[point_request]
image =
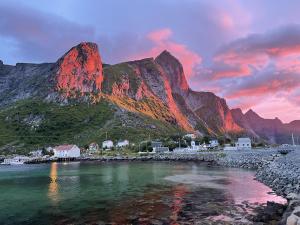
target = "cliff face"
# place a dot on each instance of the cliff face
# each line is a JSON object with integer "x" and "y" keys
{"x": 80, "y": 70}
{"x": 153, "y": 87}
{"x": 24, "y": 80}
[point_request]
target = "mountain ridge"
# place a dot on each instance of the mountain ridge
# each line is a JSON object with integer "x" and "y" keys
{"x": 155, "y": 87}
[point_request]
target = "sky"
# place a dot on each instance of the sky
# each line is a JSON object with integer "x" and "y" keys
{"x": 247, "y": 51}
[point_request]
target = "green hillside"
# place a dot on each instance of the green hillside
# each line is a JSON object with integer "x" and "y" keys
{"x": 32, "y": 124}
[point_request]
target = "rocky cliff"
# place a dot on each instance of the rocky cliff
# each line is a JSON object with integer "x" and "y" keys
{"x": 79, "y": 70}
{"x": 156, "y": 88}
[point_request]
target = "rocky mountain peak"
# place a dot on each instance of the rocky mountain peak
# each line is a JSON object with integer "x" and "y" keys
{"x": 80, "y": 70}
{"x": 174, "y": 71}
{"x": 251, "y": 114}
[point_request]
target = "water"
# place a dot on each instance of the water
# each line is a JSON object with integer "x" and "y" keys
{"x": 127, "y": 193}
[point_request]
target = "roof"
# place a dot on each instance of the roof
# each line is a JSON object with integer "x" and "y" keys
{"x": 107, "y": 141}
{"x": 64, "y": 147}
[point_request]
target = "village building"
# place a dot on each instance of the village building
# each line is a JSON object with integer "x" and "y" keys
{"x": 122, "y": 144}
{"x": 194, "y": 147}
{"x": 243, "y": 144}
{"x": 66, "y": 151}
{"x": 213, "y": 143}
{"x": 93, "y": 147}
{"x": 155, "y": 144}
{"x": 192, "y": 136}
{"x": 108, "y": 144}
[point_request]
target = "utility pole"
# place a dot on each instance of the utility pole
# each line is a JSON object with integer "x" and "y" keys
{"x": 293, "y": 139}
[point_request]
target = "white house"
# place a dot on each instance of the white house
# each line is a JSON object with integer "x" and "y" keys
{"x": 194, "y": 146}
{"x": 192, "y": 136}
{"x": 155, "y": 144}
{"x": 243, "y": 144}
{"x": 66, "y": 151}
{"x": 123, "y": 143}
{"x": 213, "y": 143}
{"x": 107, "y": 144}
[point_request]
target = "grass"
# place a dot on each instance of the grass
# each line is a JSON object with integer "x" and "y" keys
{"x": 115, "y": 74}
{"x": 59, "y": 124}
{"x": 32, "y": 124}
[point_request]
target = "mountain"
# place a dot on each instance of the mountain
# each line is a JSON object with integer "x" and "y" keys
{"x": 271, "y": 130}
{"x": 128, "y": 100}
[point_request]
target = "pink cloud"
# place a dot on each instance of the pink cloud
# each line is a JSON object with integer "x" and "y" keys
{"x": 280, "y": 107}
{"x": 161, "y": 40}
{"x": 160, "y": 35}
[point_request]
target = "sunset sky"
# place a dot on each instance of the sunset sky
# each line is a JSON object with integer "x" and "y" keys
{"x": 247, "y": 51}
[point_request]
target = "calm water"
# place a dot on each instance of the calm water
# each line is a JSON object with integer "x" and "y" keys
{"x": 126, "y": 193}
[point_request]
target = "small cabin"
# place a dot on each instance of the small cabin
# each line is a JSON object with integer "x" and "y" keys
{"x": 156, "y": 144}
{"x": 108, "y": 144}
{"x": 191, "y": 136}
{"x": 66, "y": 151}
{"x": 243, "y": 144}
{"x": 122, "y": 144}
{"x": 213, "y": 143}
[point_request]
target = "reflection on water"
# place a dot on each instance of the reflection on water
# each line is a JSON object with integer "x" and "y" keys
{"x": 125, "y": 193}
{"x": 179, "y": 193}
{"x": 53, "y": 186}
{"x": 242, "y": 185}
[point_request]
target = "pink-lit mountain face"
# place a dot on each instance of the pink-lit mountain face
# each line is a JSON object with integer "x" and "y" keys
{"x": 156, "y": 88}
{"x": 80, "y": 70}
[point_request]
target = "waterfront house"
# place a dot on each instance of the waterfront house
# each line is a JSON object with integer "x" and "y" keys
{"x": 194, "y": 147}
{"x": 122, "y": 144}
{"x": 155, "y": 144}
{"x": 108, "y": 144}
{"x": 213, "y": 143}
{"x": 243, "y": 144}
{"x": 192, "y": 136}
{"x": 66, "y": 151}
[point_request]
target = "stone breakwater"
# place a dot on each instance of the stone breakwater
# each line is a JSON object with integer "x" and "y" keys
{"x": 279, "y": 172}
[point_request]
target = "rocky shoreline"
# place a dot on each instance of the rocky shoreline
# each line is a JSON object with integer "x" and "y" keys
{"x": 279, "y": 172}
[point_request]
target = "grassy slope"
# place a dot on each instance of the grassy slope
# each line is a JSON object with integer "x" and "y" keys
{"x": 80, "y": 124}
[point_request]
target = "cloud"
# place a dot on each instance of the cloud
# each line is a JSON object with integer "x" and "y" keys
{"x": 162, "y": 40}
{"x": 39, "y": 36}
{"x": 251, "y": 70}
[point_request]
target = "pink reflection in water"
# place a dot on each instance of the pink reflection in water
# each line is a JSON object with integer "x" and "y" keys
{"x": 243, "y": 187}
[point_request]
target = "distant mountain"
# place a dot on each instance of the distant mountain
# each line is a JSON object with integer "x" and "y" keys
{"x": 156, "y": 89}
{"x": 272, "y": 130}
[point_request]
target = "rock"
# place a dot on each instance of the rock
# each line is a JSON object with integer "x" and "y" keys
{"x": 80, "y": 70}
{"x": 292, "y": 220}
{"x": 292, "y": 196}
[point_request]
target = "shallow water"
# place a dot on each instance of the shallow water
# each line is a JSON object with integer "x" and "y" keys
{"x": 128, "y": 193}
